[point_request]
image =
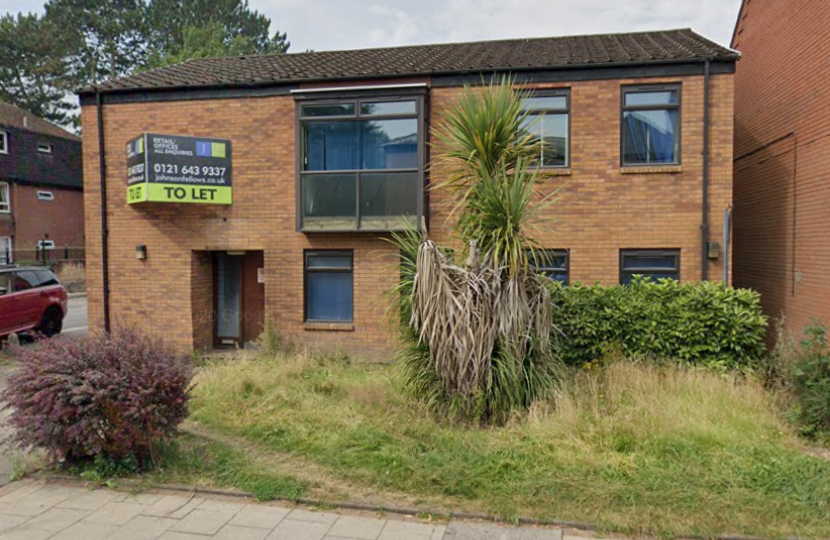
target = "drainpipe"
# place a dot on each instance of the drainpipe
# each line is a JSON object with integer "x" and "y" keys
{"x": 727, "y": 238}
{"x": 704, "y": 225}
{"x": 102, "y": 162}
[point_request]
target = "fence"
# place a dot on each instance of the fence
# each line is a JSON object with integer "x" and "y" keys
{"x": 56, "y": 257}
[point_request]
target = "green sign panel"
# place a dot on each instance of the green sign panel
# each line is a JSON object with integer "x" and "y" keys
{"x": 170, "y": 168}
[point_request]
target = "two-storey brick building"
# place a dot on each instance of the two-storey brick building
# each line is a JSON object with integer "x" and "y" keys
{"x": 41, "y": 187}
{"x": 302, "y": 164}
{"x": 782, "y": 157}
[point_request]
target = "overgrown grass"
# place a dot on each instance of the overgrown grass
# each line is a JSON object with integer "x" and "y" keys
{"x": 633, "y": 448}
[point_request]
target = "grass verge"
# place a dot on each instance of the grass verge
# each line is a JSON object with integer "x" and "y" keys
{"x": 633, "y": 448}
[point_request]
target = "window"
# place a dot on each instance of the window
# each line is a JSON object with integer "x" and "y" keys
{"x": 6, "y": 250}
{"x": 651, "y": 263}
{"x": 44, "y": 148}
{"x": 25, "y": 280}
{"x": 5, "y": 200}
{"x": 361, "y": 164}
{"x": 553, "y": 263}
{"x": 329, "y": 294}
{"x": 549, "y": 120}
{"x": 651, "y": 125}
{"x": 4, "y": 142}
{"x": 45, "y": 196}
{"x": 45, "y": 278}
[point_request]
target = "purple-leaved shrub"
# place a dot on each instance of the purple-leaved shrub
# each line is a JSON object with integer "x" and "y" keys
{"x": 107, "y": 397}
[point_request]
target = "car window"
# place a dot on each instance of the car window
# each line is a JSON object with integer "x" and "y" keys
{"x": 5, "y": 282}
{"x": 45, "y": 278}
{"x": 24, "y": 280}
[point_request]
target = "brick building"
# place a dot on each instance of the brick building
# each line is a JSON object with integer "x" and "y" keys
{"x": 782, "y": 157}
{"x": 325, "y": 152}
{"x": 41, "y": 188}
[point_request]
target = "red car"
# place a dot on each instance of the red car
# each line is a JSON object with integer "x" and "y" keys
{"x": 31, "y": 300}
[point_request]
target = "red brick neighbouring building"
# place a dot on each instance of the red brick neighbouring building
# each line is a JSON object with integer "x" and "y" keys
{"x": 328, "y": 152}
{"x": 782, "y": 157}
{"x": 41, "y": 188}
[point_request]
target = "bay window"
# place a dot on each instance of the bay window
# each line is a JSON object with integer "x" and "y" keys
{"x": 361, "y": 164}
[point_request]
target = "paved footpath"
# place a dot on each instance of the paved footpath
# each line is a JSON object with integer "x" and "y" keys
{"x": 38, "y": 510}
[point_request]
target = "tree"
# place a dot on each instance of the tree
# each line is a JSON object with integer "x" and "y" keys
{"x": 108, "y": 36}
{"x": 33, "y": 66}
{"x": 183, "y": 29}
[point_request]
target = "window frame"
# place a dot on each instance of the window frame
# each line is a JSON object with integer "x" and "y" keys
{"x": 358, "y": 97}
{"x": 8, "y": 241}
{"x": 6, "y": 207}
{"x": 663, "y": 252}
{"x": 646, "y": 88}
{"x": 554, "y": 92}
{"x": 45, "y": 148}
{"x": 331, "y": 253}
{"x": 556, "y": 252}
{"x": 4, "y": 136}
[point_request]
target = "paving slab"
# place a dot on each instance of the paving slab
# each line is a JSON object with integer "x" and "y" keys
{"x": 403, "y": 530}
{"x": 357, "y": 528}
{"x": 115, "y": 513}
{"x": 57, "y": 519}
{"x": 317, "y": 517}
{"x": 204, "y": 522}
{"x": 173, "y": 506}
{"x": 143, "y": 528}
{"x": 85, "y": 531}
{"x": 9, "y": 522}
{"x": 291, "y": 529}
{"x": 471, "y": 531}
{"x": 237, "y": 532}
{"x": 92, "y": 500}
{"x": 25, "y": 532}
{"x": 263, "y": 517}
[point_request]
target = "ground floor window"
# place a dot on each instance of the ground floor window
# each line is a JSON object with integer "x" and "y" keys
{"x": 552, "y": 263}
{"x": 5, "y": 250}
{"x": 329, "y": 286}
{"x": 651, "y": 263}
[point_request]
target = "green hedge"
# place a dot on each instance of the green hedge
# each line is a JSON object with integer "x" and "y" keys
{"x": 701, "y": 323}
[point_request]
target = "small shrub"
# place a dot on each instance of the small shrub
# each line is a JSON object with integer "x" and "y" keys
{"x": 107, "y": 398}
{"x": 699, "y": 323}
{"x": 810, "y": 382}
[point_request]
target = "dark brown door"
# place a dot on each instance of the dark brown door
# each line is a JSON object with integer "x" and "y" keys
{"x": 240, "y": 298}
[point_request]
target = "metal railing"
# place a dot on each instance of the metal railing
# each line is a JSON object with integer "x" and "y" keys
{"x": 52, "y": 257}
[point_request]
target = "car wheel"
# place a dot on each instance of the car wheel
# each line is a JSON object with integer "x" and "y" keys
{"x": 52, "y": 322}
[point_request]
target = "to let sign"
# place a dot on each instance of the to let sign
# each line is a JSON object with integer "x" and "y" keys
{"x": 170, "y": 168}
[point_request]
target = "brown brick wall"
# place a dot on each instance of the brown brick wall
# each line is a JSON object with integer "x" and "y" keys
{"x": 782, "y": 148}
{"x": 31, "y": 220}
{"x": 601, "y": 211}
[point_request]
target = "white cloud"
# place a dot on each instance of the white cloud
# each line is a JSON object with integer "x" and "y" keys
{"x": 348, "y": 24}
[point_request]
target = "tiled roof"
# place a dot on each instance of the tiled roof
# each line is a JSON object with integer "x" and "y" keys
{"x": 15, "y": 117}
{"x": 455, "y": 58}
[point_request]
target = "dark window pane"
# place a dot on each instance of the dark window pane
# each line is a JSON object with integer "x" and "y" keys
{"x": 629, "y": 277}
{"x": 329, "y": 296}
{"x": 561, "y": 277}
{"x": 668, "y": 97}
{"x": 342, "y": 262}
{"x": 332, "y": 146}
{"x": 552, "y": 133}
{"x": 388, "y": 200}
{"x": 329, "y": 109}
{"x": 658, "y": 262}
{"x": 388, "y": 107}
{"x": 46, "y": 278}
{"x": 649, "y": 137}
{"x": 329, "y": 201}
{"x": 390, "y": 144}
{"x": 536, "y": 103}
{"x": 24, "y": 280}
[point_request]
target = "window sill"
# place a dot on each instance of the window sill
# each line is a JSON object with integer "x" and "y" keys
{"x": 555, "y": 172}
{"x": 328, "y": 327}
{"x": 652, "y": 170}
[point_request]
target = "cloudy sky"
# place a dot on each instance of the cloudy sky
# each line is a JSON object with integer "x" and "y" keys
{"x": 349, "y": 24}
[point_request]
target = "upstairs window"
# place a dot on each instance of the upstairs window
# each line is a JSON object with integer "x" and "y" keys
{"x": 5, "y": 200}
{"x": 44, "y": 148}
{"x": 361, "y": 164}
{"x": 549, "y": 121}
{"x": 654, "y": 264}
{"x": 651, "y": 126}
{"x": 4, "y": 142}
{"x": 552, "y": 263}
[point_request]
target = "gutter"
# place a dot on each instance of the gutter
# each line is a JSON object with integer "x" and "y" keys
{"x": 102, "y": 162}
{"x": 704, "y": 225}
